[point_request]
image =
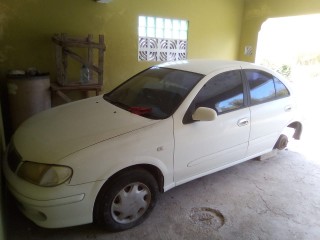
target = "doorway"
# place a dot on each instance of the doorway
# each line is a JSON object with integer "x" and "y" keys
{"x": 291, "y": 46}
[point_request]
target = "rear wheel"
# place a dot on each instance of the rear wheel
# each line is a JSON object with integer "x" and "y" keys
{"x": 282, "y": 142}
{"x": 126, "y": 201}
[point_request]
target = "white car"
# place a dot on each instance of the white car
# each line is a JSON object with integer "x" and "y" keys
{"x": 105, "y": 159}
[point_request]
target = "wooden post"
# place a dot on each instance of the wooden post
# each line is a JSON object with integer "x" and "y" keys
{"x": 64, "y": 62}
{"x": 100, "y": 60}
{"x": 90, "y": 57}
{"x": 59, "y": 62}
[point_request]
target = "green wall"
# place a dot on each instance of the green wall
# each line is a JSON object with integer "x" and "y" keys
{"x": 216, "y": 29}
{"x": 26, "y": 28}
{"x": 256, "y": 12}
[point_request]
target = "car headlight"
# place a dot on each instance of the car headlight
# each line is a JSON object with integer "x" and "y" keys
{"x": 44, "y": 174}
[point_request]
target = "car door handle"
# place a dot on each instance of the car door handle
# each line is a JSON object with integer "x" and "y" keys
{"x": 243, "y": 122}
{"x": 287, "y": 108}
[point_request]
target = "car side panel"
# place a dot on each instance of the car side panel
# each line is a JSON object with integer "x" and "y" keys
{"x": 268, "y": 120}
{"x": 203, "y": 146}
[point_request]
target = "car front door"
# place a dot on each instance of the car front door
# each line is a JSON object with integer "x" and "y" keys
{"x": 202, "y": 147}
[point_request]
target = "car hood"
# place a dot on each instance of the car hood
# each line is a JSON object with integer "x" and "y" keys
{"x": 53, "y": 134}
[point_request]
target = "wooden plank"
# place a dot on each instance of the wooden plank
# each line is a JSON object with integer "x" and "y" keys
{"x": 76, "y": 57}
{"x": 59, "y": 90}
{"x": 100, "y": 60}
{"x": 64, "y": 63}
{"x": 63, "y": 96}
{"x": 76, "y": 39}
{"x": 90, "y": 57}
{"x": 70, "y": 87}
{"x": 59, "y": 63}
{"x": 78, "y": 44}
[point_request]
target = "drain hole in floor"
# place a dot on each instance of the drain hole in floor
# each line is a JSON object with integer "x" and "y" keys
{"x": 207, "y": 217}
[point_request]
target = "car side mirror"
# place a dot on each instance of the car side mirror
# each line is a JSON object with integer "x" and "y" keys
{"x": 204, "y": 114}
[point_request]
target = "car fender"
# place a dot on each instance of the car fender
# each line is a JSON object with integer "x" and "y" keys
{"x": 151, "y": 145}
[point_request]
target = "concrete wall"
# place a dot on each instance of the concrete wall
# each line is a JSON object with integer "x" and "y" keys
{"x": 27, "y": 26}
{"x": 258, "y": 11}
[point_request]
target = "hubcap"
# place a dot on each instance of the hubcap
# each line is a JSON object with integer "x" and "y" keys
{"x": 131, "y": 203}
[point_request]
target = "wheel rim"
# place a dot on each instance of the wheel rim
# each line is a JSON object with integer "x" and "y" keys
{"x": 130, "y": 203}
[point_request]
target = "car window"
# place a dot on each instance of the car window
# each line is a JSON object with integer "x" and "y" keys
{"x": 222, "y": 93}
{"x": 154, "y": 93}
{"x": 261, "y": 85}
{"x": 281, "y": 89}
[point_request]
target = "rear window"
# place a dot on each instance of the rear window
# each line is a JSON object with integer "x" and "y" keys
{"x": 264, "y": 87}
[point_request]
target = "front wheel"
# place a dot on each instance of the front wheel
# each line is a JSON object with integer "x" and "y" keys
{"x": 126, "y": 201}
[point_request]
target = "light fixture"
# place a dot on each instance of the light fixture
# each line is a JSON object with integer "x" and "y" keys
{"x": 103, "y": 1}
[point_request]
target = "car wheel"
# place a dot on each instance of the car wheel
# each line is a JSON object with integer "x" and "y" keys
{"x": 282, "y": 142}
{"x": 126, "y": 200}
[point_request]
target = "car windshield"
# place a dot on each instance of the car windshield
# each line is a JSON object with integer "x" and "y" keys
{"x": 154, "y": 93}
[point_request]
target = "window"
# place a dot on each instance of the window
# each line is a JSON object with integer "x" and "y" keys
{"x": 264, "y": 87}
{"x": 154, "y": 93}
{"x": 222, "y": 93}
{"x": 162, "y": 39}
{"x": 281, "y": 90}
{"x": 261, "y": 86}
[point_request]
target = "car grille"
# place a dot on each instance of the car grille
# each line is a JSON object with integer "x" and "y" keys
{"x": 13, "y": 158}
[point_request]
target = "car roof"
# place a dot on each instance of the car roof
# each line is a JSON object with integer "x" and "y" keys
{"x": 204, "y": 66}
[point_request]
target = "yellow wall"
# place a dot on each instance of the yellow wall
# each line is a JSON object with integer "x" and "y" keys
{"x": 26, "y": 28}
{"x": 258, "y": 11}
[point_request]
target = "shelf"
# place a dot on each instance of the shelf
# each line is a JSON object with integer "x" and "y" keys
{"x": 66, "y": 48}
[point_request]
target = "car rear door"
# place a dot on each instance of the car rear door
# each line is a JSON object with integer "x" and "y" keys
{"x": 271, "y": 110}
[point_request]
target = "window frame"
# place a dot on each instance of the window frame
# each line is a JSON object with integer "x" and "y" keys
{"x": 274, "y": 86}
{"x": 162, "y": 39}
{"x": 279, "y": 96}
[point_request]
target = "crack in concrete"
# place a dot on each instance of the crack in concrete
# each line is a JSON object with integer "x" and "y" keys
{"x": 276, "y": 211}
{"x": 261, "y": 189}
{"x": 283, "y": 214}
{"x": 279, "y": 212}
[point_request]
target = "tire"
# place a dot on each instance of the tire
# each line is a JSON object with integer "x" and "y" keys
{"x": 126, "y": 201}
{"x": 282, "y": 142}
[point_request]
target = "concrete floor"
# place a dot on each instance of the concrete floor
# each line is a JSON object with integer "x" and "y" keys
{"x": 277, "y": 198}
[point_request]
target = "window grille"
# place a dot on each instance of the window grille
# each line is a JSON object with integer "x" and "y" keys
{"x": 162, "y": 39}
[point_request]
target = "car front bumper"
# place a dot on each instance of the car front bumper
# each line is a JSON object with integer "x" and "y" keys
{"x": 53, "y": 207}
